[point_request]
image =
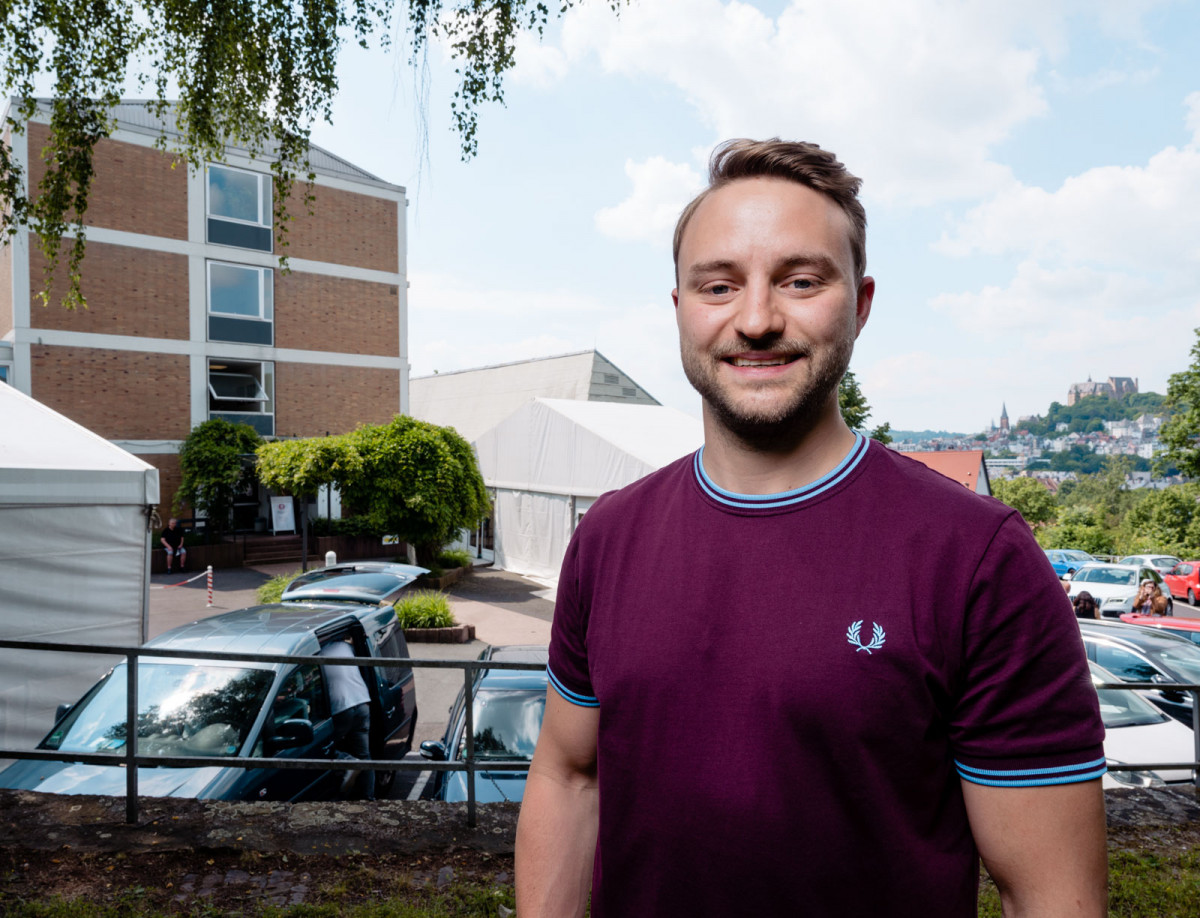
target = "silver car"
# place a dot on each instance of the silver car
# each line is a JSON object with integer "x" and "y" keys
{"x": 1114, "y": 586}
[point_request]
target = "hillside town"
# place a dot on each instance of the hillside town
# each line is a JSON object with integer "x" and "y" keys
{"x": 1053, "y": 453}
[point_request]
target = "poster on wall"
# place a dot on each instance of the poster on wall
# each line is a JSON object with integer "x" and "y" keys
{"x": 283, "y": 515}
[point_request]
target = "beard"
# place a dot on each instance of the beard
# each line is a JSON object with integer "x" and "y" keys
{"x": 789, "y": 410}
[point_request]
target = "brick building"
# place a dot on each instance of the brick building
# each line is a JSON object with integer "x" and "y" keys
{"x": 189, "y": 316}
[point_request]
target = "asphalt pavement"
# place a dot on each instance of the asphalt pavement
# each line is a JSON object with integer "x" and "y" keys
{"x": 505, "y": 608}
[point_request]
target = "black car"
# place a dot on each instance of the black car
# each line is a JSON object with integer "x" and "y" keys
{"x": 1135, "y": 654}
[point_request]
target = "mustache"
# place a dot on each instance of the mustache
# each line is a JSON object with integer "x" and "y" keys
{"x": 782, "y": 347}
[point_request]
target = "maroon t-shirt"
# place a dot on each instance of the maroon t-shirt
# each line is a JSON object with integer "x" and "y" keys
{"x": 790, "y": 687}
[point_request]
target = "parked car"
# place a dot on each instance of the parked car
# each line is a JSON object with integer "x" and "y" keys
{"x": 1114, "y": 586}
{"x": 1136, "y": 731}
{"x": 1187, "y": 628}
{"x": 1135, "y": 654}
{"x": 218, "y": 709}
{"x": 1067, "y": 560}
{"x": 372, "y": 582}
{"x": 1161, "y": 563}
{"x": 1184, "y": 581}
{"x": 507, "y": 712}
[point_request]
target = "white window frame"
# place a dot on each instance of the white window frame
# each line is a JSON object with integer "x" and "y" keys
{"x": 232, "y": 367}
{"x": 266, "y": 291}
{"x": 264, "y": 181}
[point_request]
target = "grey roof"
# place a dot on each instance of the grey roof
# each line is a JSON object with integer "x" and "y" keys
{"x": 283, "y": 628}
{"x": 135, "y": 115}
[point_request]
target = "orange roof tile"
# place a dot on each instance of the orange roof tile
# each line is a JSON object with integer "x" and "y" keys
{"x": 963, "y": 466}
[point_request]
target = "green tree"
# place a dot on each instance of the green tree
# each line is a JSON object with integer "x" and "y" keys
{"x": 856, "y": 410}
{"x": 1181, "y": 433}
{"x": 211, "y": 459}
{"x": 415, "y": 480}
{"x": 1164, "y": 521}
{"x": 257, "y": 73}
{"x": 1078, "y": 527}
{"x": 1029, "y": 497}
{"x": 302, "y": 467}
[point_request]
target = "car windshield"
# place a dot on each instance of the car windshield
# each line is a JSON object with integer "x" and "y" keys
{"x": 1077, "y": 555}
{"x": 1182, "y": 660}
{"x": 192, "y": 709}
{"x": 370, "y": 583}
{"x": 1107, "y": 575}
{"x": 1124, "y": 707}
{"x": 507, "y": 724}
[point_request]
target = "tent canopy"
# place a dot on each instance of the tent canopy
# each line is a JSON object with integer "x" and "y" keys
{"x": 46, "y": 458}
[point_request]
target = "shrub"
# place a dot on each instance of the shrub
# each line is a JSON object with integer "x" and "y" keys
{"x": 454, "y": 557}
{"x": 273, "y": 588}
{"x": 425, "y": 609}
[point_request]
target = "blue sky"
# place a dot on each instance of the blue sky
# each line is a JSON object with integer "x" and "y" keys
{"x": 1031, "y": 175}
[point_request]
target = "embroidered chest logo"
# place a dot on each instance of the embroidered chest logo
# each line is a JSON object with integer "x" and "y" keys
{"x": 877, "y": 637}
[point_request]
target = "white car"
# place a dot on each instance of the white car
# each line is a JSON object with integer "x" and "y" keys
{"x": 1135, "y": 731}
{"x": 1114, "y": 586}
{"x": 1164, "y": 564}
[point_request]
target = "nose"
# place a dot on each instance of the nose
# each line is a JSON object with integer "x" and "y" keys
{"x": 760, "y": 314}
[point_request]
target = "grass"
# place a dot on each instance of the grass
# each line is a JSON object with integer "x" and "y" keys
{"x": 425, "y": 609}
{"x": 273, "y": 588}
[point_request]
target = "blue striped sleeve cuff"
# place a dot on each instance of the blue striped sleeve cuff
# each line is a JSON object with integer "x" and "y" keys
{"x": 1033, "y": 777}
{"x": 585, "y": 701}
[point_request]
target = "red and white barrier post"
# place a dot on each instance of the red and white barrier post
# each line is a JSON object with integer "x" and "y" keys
{"x": 210, "y": 586}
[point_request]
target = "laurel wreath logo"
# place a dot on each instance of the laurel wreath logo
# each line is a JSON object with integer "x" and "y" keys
{"x": 877, "y": 637}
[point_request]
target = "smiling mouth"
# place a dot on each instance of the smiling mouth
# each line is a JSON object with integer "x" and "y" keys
{"x": 779, "y": 361}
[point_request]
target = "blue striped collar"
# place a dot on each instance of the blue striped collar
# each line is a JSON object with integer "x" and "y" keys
{"x": 785, "y": 498}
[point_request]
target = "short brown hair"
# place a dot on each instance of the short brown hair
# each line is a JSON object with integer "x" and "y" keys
{"x": 796, "y": 161}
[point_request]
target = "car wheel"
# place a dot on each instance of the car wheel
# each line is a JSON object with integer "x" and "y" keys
{"x": 1191, "y": 597}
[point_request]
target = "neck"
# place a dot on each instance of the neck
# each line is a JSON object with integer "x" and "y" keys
{"x": 781, "y": 462}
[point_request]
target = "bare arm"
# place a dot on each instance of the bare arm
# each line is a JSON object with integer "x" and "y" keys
{"x": 1044, "y": 847}
{"x": 556, "y": 833}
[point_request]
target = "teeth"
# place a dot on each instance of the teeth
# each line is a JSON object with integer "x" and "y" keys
{"x": 744, "y": 362}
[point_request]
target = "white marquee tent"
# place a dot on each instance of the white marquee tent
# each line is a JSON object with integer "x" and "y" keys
{"x": 549, "y": 460}
{"x": 74, "y": 558}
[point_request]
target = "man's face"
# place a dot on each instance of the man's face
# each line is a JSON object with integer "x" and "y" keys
{"x": 767, "y": 305}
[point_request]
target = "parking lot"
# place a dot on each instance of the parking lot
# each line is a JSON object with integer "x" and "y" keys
{"x": 504, "y": 608}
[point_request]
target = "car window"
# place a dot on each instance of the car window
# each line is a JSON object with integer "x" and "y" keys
{"x": 1125, "y": 665}
{"x": 1107, "y": 575}
{"x": 391, "y": 643}
{"x": 301, "y": 696}
{"x": 507, "y": 724}
{"x": 184, "y": 708}
{"x": 1150, "y": 573}
{"x": 1077, "y": 555}
{"x": 1182, "y": 570}
{"x": 1185, "y": 662}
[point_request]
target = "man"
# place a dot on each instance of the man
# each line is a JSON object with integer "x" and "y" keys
{"x": 172, "y": 542}
{"x": 728, "y": 732}
{"x": 350, "y": 705}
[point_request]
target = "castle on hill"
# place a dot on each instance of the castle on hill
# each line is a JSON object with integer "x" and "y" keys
{"x": 1116, "y": 387}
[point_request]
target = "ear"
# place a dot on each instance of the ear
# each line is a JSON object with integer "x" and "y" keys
{"x": 675, "y": 297}
{"x": 862, "y": 306}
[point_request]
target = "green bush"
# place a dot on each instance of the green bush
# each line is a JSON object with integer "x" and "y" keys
{"x": 454, "y": 557}
{"x": 346, "y": 526}
{"x": 425, "y": 609}
{"x": 273, "y": 588}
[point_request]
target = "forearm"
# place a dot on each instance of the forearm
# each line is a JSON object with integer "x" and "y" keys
{"x": 556, "y": 844}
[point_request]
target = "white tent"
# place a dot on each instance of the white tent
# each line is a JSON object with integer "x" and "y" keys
{"x": 74, "y": 558}
{"x": 550, "y": 459}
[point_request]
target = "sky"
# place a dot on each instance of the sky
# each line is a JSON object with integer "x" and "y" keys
{"x": 1031, "y": 173}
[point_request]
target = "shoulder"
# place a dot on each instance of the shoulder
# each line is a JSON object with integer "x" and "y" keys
{"x": 616, "y": 507}
{"x": 914, "y": 484}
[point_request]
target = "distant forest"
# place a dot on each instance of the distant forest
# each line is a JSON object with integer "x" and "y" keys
{"x": 1089, "y": 414}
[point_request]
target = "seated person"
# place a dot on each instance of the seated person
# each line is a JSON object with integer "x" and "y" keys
{"x": 172, "y": 542}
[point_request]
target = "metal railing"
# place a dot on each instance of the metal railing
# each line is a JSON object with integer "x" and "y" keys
{"x": 131, "y": 760}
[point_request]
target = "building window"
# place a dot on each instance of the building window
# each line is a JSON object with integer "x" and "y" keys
{"x": 240, "y": 303}
{"x": 239, "y": 208}
{"x": 5, "y": 370}
{"x": 243, "y": 391}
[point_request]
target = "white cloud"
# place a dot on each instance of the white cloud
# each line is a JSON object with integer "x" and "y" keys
{"x": 439, "y": 294}
{"x": 538, "y": 64}
{"x": 660, "y": 191}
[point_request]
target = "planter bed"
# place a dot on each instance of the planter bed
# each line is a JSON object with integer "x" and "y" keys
{"x": 456, "y": 634}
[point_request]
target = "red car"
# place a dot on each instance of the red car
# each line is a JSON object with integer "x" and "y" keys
{"x": 1184, "y": 580}
{"x": 1182, "y": 627}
